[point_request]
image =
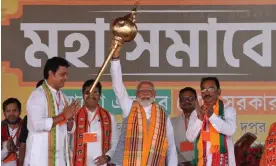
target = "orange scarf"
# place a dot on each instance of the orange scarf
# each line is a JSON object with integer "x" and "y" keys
{"x": 143, "y": 145}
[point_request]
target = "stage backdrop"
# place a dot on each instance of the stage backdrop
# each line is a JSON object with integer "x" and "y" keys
{"x": 178, "y": 43}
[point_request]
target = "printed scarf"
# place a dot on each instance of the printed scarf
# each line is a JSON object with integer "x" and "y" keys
{"x": 52, "y": 134}
{"x": 145, "y": 146}
{"x": 80, "y": 148}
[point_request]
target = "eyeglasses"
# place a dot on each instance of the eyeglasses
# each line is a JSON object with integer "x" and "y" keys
{"x": 145, "y": 90}
{"x": 186, "y": 98}
{"x": 210, "y": 89}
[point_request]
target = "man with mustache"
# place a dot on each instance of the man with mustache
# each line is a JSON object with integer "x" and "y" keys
{"x": 97, "y": 123}
{"x": 50, "y": 118}
{"x": 184, "y": 148}
{"x": 212, "y": 127}
{"x": 10, "y": 130}
{"x": 147, "y": 133}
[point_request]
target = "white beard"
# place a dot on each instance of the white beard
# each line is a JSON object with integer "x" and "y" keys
{"x": 145, "y": 103}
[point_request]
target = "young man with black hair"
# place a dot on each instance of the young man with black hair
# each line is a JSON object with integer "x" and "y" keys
{"x": 50, "y": 117}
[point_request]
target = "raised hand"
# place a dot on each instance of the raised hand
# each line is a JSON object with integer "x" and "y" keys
{"x": 209, "y": 112}
{"x": 199, "y": 110}
{"x": 71, "y": 110}
{"x": 116, "y": 54}
{"x": 10, "y": 145}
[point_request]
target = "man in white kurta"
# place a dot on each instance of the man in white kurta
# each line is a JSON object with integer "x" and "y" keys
{"x": 40, "y": 124}
{"x": 210, "y": 90}
{"x": 126, "y": 104}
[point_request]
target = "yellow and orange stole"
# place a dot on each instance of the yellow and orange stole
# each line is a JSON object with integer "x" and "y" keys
{"x": 143, "y": 145}
{"x": 80, "y": 148}
{"x": 52, "y": 134}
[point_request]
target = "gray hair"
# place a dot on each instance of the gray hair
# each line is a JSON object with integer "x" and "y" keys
{"x": 145, "y": 81}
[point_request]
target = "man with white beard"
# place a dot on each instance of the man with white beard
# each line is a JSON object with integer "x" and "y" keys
{"x": 147, "y": 135}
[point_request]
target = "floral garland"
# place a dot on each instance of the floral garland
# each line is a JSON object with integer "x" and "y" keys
{"x": 253, "y": 155}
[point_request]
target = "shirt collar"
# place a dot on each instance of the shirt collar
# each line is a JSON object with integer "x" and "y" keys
{"x": 52, "y": 89}
{"x": 147, "y": 107}
{"x": 148, "y": 110}
{"x": 88, "y": 110}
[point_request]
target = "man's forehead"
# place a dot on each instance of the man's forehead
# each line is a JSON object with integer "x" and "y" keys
{"x": 146, "y": 88}
{"x": 11, "y": 106}
{"x": 88, "y": 88}
{"x": 87, "y": 92}
{"x": 146, "y": 84}
{"x": 187, "y": 93}
{"x": 209, "y": 83}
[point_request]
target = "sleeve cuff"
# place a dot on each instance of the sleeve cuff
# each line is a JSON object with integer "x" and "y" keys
{"x": 198, "y": 122}
{"x": 73, "y": 128}
{"x": 48, "y": 124}
{"x": 213, "y": 118}
{"x": 115, "y": 63}
{"x": 108, "y": 154}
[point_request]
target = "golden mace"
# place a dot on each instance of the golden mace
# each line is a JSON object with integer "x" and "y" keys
{"x": 124, "y": 29}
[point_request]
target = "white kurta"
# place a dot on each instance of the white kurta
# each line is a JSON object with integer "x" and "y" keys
{"x": 94, "y": 150}
{"x": 226, "y": 127}
{"x": 5, "y": 152}
{"x": 126, "y": 104}
{"x": 39, "y": 126}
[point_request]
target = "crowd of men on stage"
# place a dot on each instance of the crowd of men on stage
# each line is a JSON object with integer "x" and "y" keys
{"x": 58, "y": 132}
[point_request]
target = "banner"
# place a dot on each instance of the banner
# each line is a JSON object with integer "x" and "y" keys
{"x": 177, "y": 44}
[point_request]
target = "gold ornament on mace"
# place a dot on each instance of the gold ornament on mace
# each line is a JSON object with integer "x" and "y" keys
{"x": 124, "y": 30}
